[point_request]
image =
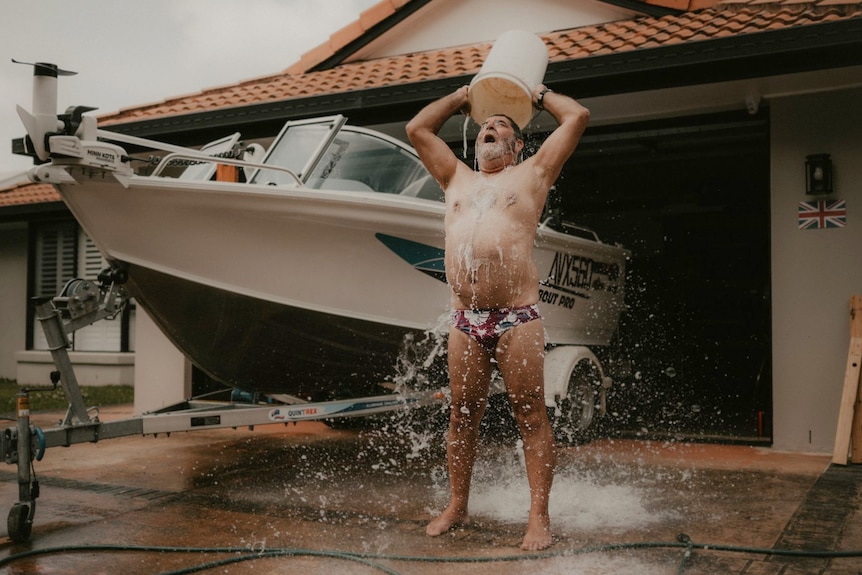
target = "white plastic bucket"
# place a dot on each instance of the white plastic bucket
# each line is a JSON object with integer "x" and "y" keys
{"x": 514, "y": 67}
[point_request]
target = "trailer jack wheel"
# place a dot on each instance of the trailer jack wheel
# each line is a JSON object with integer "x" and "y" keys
{"x": 20, "y": 521}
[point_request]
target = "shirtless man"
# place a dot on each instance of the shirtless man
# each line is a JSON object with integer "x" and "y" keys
{"x": 491, "y": 221}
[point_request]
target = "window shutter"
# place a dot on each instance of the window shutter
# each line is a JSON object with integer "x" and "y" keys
{"x": 64, "y": 252}
{"x": 55, "y": 265}
{"x": 103, "y": 335}
{"x": 55, "y": 258}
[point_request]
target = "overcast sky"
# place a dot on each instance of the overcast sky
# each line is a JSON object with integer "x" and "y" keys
{"x": 131, "y": 53}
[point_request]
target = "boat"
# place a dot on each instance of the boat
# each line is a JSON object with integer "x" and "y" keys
{"x": 312, "y": 272}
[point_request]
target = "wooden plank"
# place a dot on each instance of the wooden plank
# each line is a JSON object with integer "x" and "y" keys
{"x": 856, "y": 432}
{"x": 856, "y": 316}
{"x": 849, "y": 395}
{"x": 848, "y": 401}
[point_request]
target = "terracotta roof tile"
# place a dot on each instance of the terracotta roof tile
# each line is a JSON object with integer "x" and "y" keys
{"x": 346, "y": 35}
{"x": 341, "y": 38}
{"x": 378, "y": 13}
{"x": 700, "y": 4}
{"x": 28, "y": 194}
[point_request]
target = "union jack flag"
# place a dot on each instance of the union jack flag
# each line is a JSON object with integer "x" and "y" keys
{"x": 822, "y": 214}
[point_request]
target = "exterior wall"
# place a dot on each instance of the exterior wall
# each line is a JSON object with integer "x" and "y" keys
{"x": 13, "y": 295}
{"x": 814, "y": 272}
{"x": 91, "y": 368}
{"x": 162, "y": 373}
{"x": 35, "y": 367}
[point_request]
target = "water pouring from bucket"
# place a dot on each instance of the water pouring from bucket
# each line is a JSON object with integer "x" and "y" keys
{"x": 514, "y": 67}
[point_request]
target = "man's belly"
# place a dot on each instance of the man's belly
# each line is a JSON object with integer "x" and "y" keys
{"x": 489, "y": 259}
{"x": 491, "y": 278}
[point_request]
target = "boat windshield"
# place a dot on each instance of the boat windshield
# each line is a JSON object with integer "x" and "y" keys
{"x": 297, "y": 148}
{"x": 362, "y": 161}
{"x": 347, "y": 159}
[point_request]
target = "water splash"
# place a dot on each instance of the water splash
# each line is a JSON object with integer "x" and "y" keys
{"x": 417, "y": 366}
{"x": 580, "y": 500}
{"x": 417, "y": 432}
{"x": 499, "y": 148}
{"x": 464, "y": 129}
{"x": 483, "y": 197}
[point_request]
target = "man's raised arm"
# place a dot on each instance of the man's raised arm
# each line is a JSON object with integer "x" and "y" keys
{"x": 560, "y": 145}
{"x": 422, "y": 132}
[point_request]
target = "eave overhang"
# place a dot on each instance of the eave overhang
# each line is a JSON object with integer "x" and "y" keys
{"x": 34, "y": 211}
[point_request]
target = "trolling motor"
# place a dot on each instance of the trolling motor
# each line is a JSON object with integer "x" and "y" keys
{"x": 65, "y": 139}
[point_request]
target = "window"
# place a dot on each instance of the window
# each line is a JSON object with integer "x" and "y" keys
{"x": 62, "y": 251}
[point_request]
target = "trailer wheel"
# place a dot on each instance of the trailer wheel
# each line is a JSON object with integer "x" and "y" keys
{"x": 20, "y": 522}
{"x": 573, "y": 392}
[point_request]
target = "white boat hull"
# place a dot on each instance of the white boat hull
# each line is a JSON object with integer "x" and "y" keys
{"x": 292, "y": 290}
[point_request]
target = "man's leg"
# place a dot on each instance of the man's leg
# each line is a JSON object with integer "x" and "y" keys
{"x": 469, "y": 377}
{"x": 521, "y": 360}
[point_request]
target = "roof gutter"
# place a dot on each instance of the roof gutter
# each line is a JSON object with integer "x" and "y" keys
{"x": 644, "y": 8}
{"x": 761, "y": 54}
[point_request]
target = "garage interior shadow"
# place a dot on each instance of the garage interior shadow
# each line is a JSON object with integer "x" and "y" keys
{"x": 690, "y": 199}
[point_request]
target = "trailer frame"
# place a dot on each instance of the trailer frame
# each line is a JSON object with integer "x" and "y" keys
{"x": 84, "y": 302}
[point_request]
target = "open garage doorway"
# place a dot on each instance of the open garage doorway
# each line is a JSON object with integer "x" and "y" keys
{"x": 690, "y": 199}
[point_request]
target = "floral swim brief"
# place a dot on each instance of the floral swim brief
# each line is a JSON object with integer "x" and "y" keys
{"x": 486, "y": 326}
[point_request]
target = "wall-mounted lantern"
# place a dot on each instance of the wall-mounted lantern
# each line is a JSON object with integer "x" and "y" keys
{"x": 818, "y": 175}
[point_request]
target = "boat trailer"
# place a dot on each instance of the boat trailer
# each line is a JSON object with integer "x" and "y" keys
{"x": 84, "y": 302}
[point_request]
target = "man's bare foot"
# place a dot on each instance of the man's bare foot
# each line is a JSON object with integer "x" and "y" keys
{"x": 538, "y": 536}
{"x": 445, "y": 521}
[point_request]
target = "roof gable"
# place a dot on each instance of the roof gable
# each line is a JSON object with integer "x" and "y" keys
{"x": 446, "y": 23}
{"x": 395, "y": 27}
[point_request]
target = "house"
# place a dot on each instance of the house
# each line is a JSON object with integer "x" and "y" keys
{"x": 706, "y": 117}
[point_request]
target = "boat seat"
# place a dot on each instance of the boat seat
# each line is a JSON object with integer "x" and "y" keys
{"x": 425, "y": 188}
{"x": 345, "y": 185}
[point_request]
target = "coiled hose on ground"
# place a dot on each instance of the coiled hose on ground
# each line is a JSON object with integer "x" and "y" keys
{"x": 372, "y": 560}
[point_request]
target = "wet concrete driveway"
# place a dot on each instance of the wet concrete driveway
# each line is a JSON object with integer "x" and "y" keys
{"x": 309, "y": 499}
